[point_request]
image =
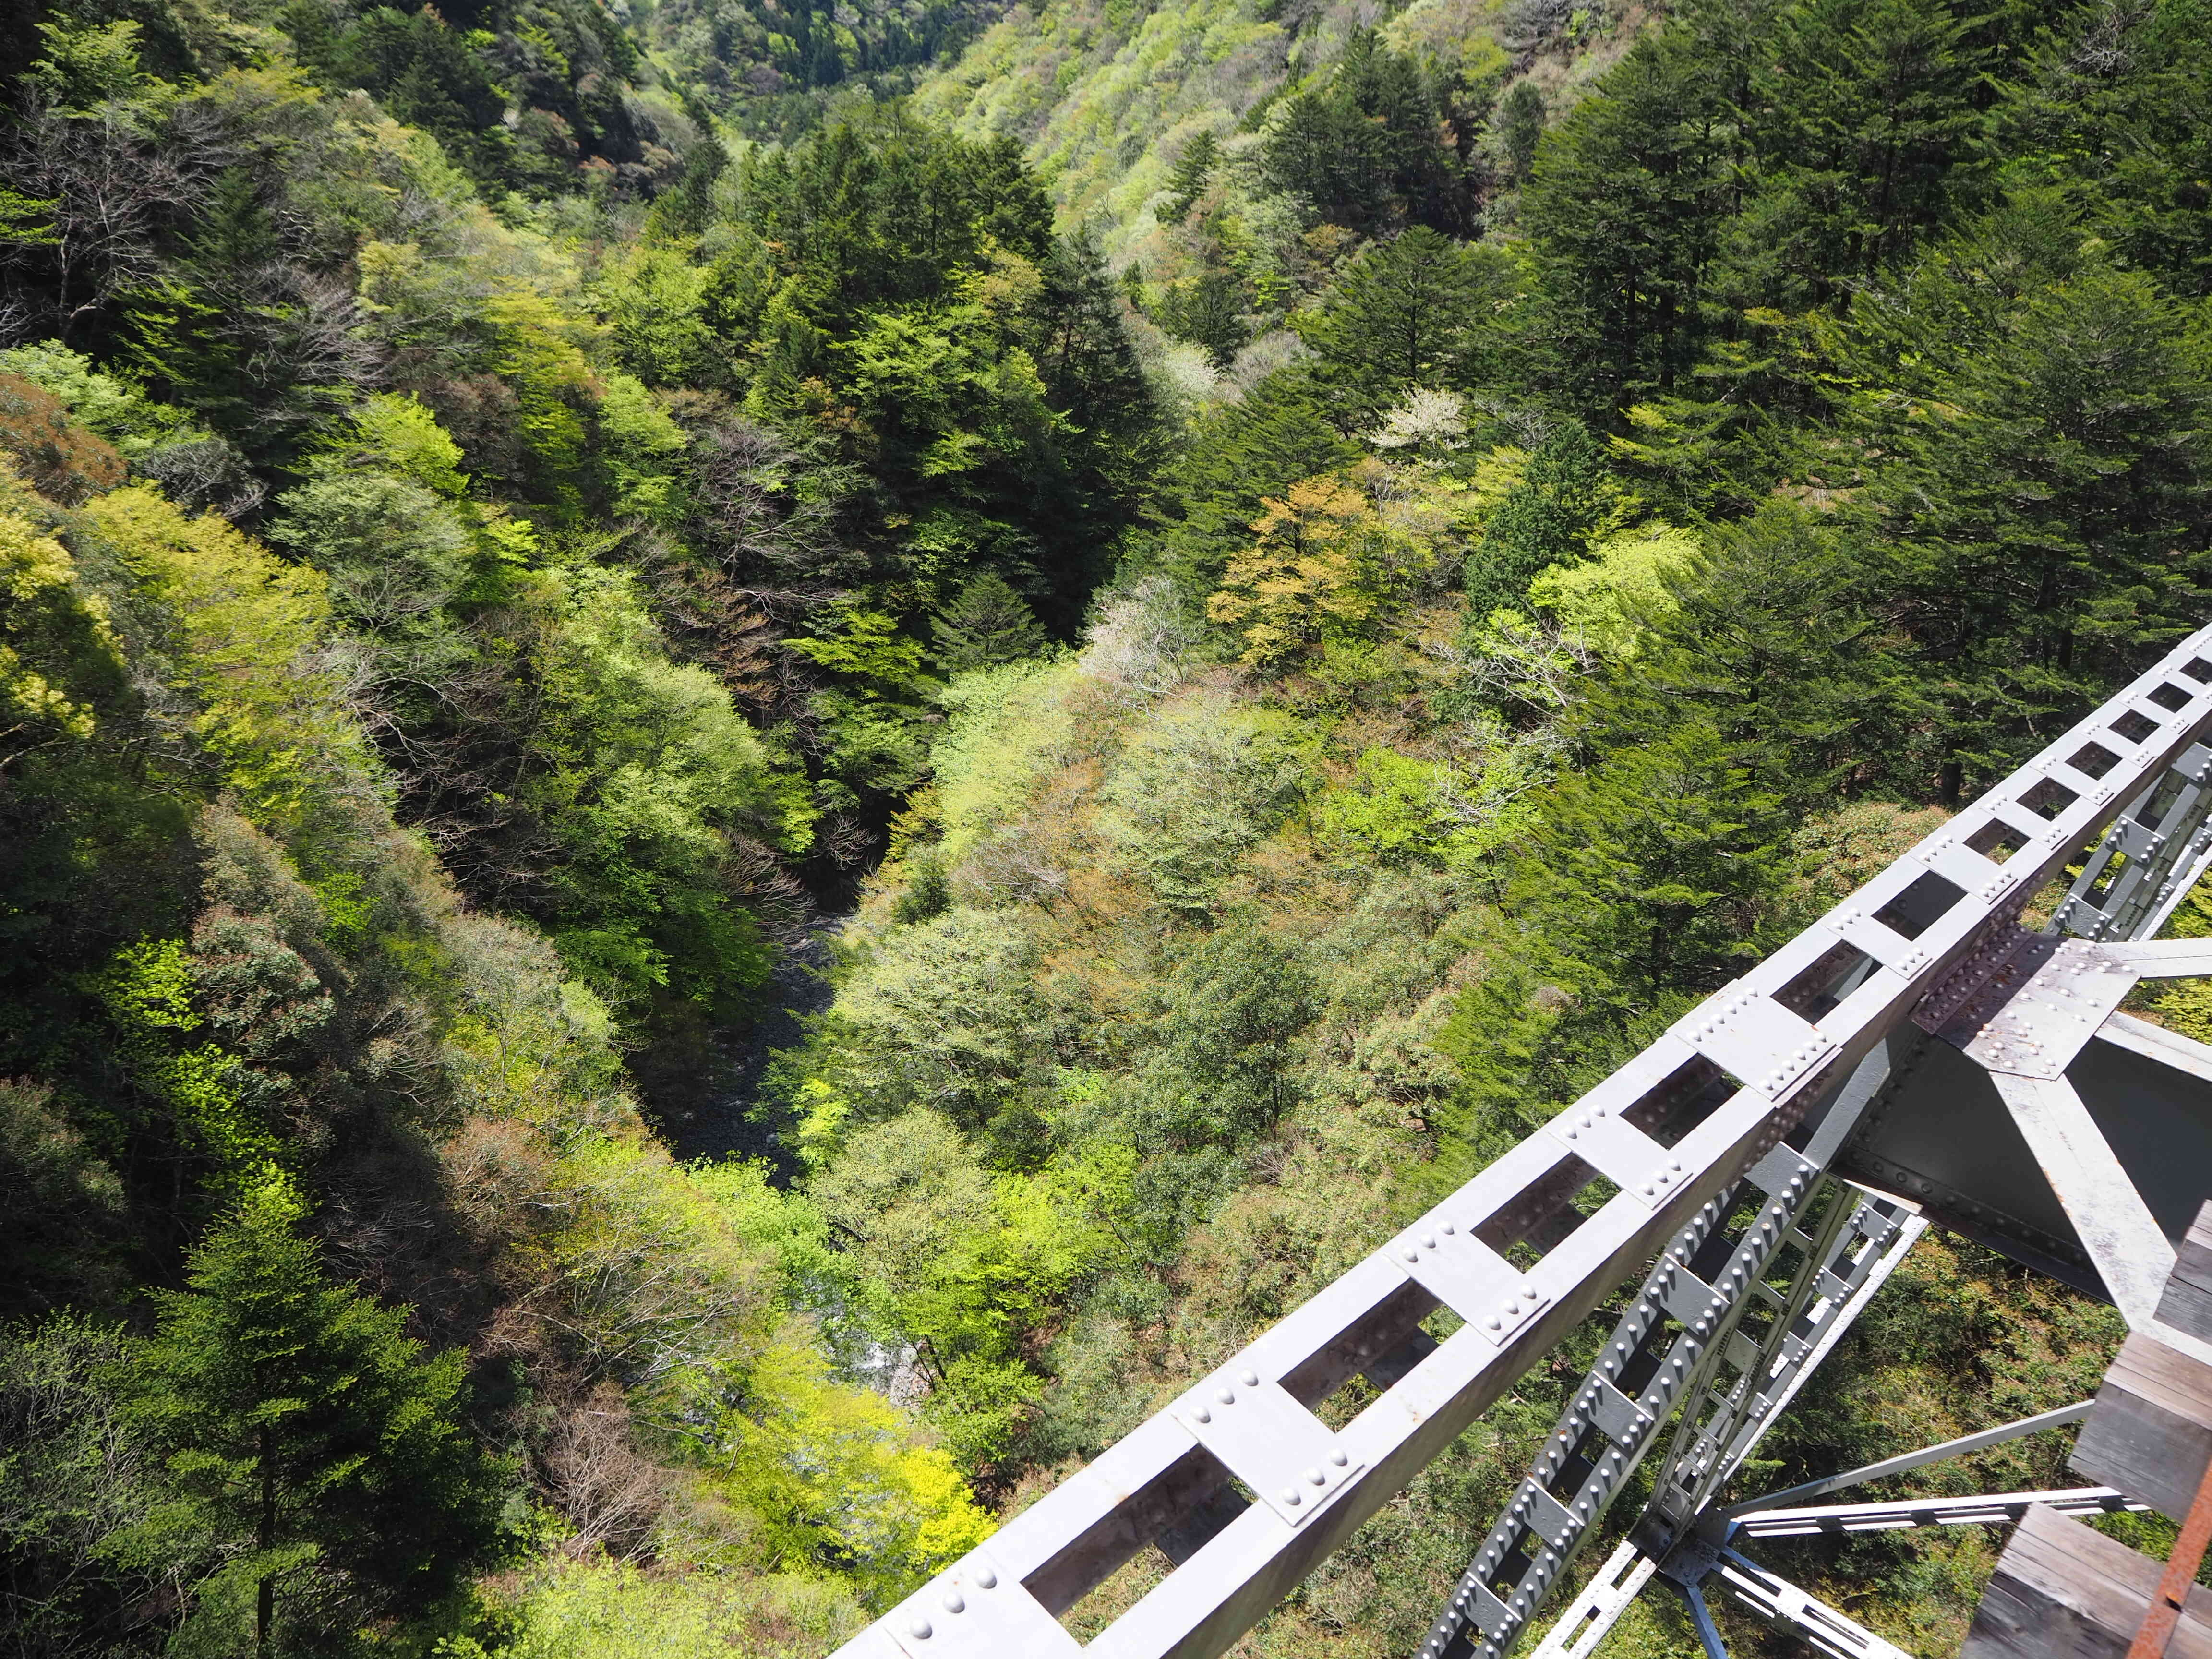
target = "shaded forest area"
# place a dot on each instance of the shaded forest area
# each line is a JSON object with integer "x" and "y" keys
{"x": 1302, "y": 630}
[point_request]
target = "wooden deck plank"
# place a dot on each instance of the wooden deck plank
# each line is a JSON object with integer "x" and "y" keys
{"x": 2187, "y": 1302}
{"x": 2150, "y": 1433}
{"x": 2063, "y": 1591}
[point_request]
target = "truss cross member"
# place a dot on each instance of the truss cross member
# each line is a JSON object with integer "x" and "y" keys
{"x": 2116, "y": 1226}
{"x": 1579, "y": 1630}
{"x": 1773, "y": 1599}
{"x": 1709, "y": 1633}
{"x": 1989, "y": 1510}
{"x": 1926, "y": 1455}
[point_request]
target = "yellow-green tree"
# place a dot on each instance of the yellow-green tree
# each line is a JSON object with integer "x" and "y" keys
{"x": 1319, "y": 566}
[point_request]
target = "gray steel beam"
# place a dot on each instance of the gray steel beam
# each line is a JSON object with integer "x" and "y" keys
{"x": 1851, "y": 1263}
{"x": 1987, "y": 1510}
{"x": 1915, "y": 1460}
{"x": 1770, "y": 1597}
{"x": 2109, "y": 1215}
{"x": 1668, "y": 1134}
{"x": 1701, "y": 1616}
{"x": 2149, "y": 860}
{"x": 1596, "y": 1607}
{"x": 1860, "y": 1242}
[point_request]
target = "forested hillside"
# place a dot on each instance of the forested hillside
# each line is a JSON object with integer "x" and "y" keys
{"x": 1273, "y": 587}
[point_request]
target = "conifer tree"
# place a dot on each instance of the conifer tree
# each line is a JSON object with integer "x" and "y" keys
{"x": 1625, "y": 208}
{"x": 1567, "y": 497}
{"x": 1408, "y": 313}
{"x": 1193, "y": 172}
{"x": 1520, "y": 126}
{"x": 987, "y": 624}
{"x": 309, "y": 1446}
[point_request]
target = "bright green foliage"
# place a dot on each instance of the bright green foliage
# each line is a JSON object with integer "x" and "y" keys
{"x": 1395, "y": 810}
{"x": 612, "y": 1610}
{"x": 313, "y": 1457}
{"x": 400, "y": 436}
{"x": 940, "y": 1018}
{"x": 835, "y": 1475}
{"x": 281, "y": 738}
{"x": 867, "y": 645}
{"x": 965, "y": 1264}
{"x": 648, "y": 775}
{"x": 104, "y": 404}
{"x": 83, "y": 68}
{"x": 640, "y": 452}
{"x": 1564, "y": 499}
{"x": 655, "y": 300}
{"x": 1192, "y": 794}
{"x": 148, "y": 994}
{"x": 1612, "y": 598}
{"x": 1003, "y": 727}
{"x": 57, "y": 651}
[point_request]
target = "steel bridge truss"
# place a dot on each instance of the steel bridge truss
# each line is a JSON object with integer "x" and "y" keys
{"x": 1763, "y": 1166}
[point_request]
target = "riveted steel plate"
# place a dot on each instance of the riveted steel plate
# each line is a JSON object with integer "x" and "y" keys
{"x": 976, "y": 1611}
{"x": 1289, "y": 1458}
{"x": 1481, "y": 1287}
{"x": 1755, "y": 1039}
{"x": 1620, "y": 1151}
{"x": 2032, "y": 1016}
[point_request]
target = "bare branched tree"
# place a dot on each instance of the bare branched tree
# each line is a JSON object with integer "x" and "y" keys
{"x": 594, "y": 1475}
{"x": 109, "y": 191}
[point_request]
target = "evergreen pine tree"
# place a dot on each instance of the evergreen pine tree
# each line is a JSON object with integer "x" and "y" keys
{"x": 1566, "y": 497}
{"x": 1408, "y": 313}
{"x": 1625, "y": 208}
{"x": 1520, "y": 126}
{"x": 308, "y": 1444}
{"x": 987, "y": 624}
{"x": 1193, "y": 172}
{"x": 1867, "y": 118}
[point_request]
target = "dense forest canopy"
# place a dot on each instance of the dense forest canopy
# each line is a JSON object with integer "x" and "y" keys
{"x": 757, "y": 759}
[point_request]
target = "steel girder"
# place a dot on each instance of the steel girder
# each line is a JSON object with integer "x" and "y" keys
{"x": 1665, "y": 1142}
